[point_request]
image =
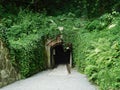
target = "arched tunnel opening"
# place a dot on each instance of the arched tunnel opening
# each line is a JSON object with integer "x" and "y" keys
{"x": 59, "y": 55}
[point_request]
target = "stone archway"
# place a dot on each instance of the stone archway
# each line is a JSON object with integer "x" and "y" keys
{"x": 55, "y": 54}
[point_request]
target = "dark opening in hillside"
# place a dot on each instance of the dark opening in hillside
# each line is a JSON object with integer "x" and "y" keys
{"x": 60, "y": 56}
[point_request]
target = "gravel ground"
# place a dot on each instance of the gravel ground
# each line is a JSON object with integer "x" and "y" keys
{"x": 55, "y": 79}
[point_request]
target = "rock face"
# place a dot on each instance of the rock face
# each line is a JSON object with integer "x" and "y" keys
{"x": 8, "y": 73}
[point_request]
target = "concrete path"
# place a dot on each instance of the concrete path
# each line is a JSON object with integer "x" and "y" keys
{"x": 56, "y": 79}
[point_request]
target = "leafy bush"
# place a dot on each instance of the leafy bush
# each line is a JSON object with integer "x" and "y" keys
{"x": 100, "y": 23}
{"x": 26, "y": 44}
{"x": 25, "y": 35}
{"x": 97, "y": 53}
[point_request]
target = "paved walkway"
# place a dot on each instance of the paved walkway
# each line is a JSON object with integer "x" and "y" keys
{"x": 56, "y": 79}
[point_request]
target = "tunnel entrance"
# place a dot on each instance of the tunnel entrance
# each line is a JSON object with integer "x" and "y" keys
{"x": 59, "y": 55}
{"x": 58, "y": 52}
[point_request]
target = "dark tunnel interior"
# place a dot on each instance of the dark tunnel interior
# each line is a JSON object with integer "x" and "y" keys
{"x": 60, "y": 55}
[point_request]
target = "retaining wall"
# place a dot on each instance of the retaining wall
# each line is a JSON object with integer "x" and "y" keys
{"x": 8, "y": 73}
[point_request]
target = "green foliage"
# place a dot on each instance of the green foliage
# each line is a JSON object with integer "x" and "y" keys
{"x": 97, "y": 52}
{"x": 26, "y": 34}
{"x": 26, "y": 42}
{"x": 100, "y": 23}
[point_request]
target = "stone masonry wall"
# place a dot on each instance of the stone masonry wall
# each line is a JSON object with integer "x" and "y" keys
{"x": 8, "y": 73}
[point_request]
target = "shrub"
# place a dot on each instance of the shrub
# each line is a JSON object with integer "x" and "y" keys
{"x": 97, "y": 53}
{"x": 26, "y": 41}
